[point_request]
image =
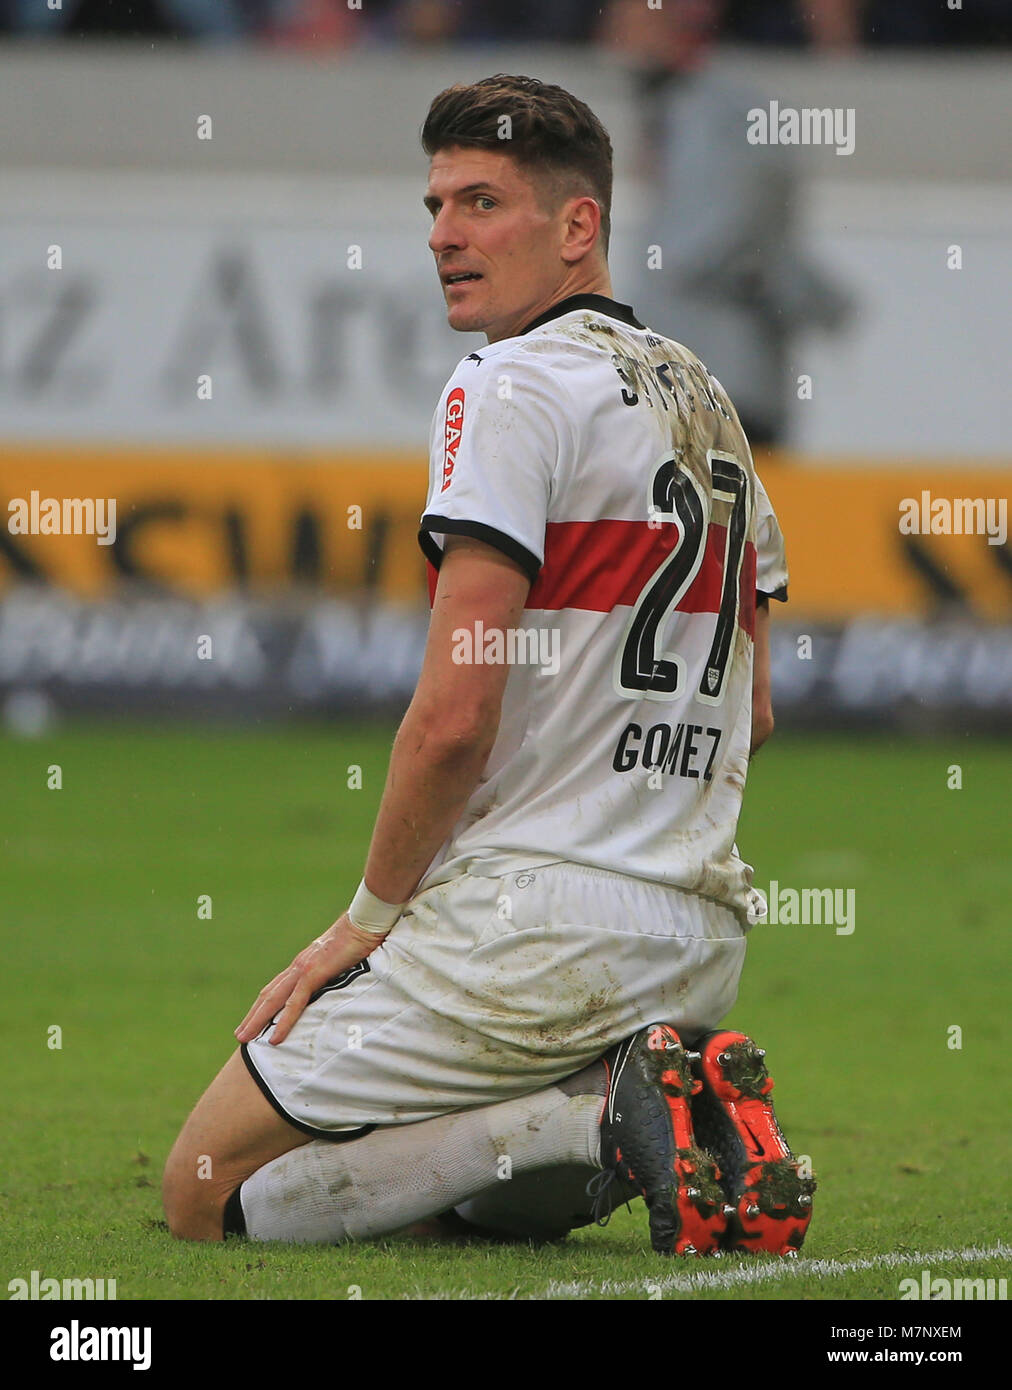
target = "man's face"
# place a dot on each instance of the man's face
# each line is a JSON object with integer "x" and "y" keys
{"x": 488, "y": 221}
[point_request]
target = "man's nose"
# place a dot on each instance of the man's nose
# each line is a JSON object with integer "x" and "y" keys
{"x": 446, "y": 233}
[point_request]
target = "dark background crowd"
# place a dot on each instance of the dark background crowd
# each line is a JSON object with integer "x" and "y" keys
{"x": 821, "y": 24}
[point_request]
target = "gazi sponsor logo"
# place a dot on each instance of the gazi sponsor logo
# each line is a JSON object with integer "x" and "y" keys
{"x": 453, "y": 429}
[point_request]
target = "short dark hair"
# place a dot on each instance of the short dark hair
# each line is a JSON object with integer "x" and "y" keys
{"x": 553, "y": 134}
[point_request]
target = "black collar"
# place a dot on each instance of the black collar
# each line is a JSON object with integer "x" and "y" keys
{"x": 600, "y": 303}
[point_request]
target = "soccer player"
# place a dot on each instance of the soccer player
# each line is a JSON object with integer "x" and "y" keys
{"x": 552, "y": 903}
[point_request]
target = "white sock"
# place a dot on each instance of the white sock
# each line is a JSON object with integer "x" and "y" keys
{"x": 325, "y": 1192}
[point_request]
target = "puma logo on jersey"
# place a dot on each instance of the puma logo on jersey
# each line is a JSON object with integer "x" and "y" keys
{"x": 453, "y": 430}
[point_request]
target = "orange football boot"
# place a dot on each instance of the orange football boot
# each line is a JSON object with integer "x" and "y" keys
{"x": 770, "y": 1201}
{"x": 647, "y": 1141}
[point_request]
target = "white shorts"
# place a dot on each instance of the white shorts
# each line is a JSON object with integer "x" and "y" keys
{"x": 492, "y": 987}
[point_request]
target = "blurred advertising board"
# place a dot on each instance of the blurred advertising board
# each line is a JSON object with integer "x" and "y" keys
{"x": 303, "y": 569}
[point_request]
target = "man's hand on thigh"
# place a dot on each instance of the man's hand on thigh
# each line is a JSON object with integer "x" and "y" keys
{"x": 339, "y": 948}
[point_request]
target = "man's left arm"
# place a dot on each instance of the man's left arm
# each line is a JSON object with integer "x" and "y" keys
{"x": 438, "y": 755}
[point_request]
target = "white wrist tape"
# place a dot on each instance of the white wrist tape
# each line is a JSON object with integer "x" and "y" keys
{"x": 372, "y": 914}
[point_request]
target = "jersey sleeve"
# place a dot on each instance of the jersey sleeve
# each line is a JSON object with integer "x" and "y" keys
{"x": 771, "y": 558}
{"x": 498, "y": 438}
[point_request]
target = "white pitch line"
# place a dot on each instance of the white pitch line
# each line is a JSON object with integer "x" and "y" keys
{"x": 771, "y": 1272}
{"x": 750, "y": 1274}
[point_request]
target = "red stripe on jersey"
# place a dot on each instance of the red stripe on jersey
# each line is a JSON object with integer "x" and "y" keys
{"x": 601, "y": 565}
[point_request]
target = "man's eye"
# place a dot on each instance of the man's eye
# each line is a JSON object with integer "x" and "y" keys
{"x": 484, "y": 198}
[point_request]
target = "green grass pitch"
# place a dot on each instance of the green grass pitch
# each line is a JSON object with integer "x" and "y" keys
{"x": 101, "y": 938}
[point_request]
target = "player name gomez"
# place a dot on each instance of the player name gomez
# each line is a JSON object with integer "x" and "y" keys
{"x": 658, "y": 750}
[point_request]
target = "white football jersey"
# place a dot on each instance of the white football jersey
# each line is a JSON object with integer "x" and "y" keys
{"x": 609, "y": 463}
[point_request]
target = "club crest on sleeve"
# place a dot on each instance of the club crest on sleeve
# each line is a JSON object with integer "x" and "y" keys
{"x": 454, "y": 426}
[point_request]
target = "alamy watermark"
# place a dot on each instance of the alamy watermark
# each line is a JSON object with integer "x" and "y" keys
{"x": 943, "y": 1288}
{"x": 804, "y": 907}
{"x": 36, "y": 1287}
{"x": 955, "y": 516}
{"x": 514, "y": 646}
{"x": 77, "y": 1343}
{"x": 809, "y": 125}
{"x": 35, "y": 515}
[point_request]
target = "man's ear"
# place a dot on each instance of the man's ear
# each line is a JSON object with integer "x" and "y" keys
{"x": 583, "y": 227}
